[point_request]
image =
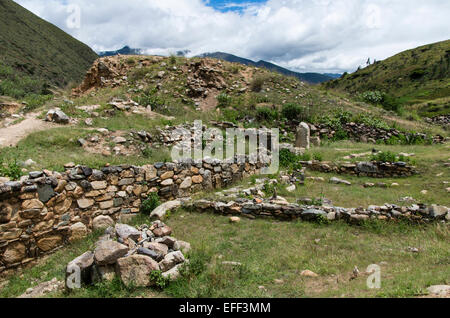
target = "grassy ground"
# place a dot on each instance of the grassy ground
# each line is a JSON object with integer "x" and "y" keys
{"x": 270, "y": 250}
{"x": 429, "y": 161}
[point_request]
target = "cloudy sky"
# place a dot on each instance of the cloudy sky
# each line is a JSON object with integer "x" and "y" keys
{"x": 303, "y": 35}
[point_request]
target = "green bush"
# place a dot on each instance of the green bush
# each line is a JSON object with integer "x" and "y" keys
{"x": 266, "y": 114}
{"x": 372, "y": 97}
{"x": 290, "y": 160}
{"x": 159, "y": 280}
{"x": 318, "y": 156}
{"x": 386, "y": 156}
{"x": 10, "y": 170}
{"x": 293, "y": 111}
{"x": 257, "y": 84}
{"x": 150, "y": 98}
{"x": 224, "y": 100}
{"x": 150, "y": 204}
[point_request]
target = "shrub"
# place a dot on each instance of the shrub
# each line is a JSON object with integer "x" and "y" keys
{"x": 11, "y": 170}
{"x": 386, "y": 156}
{"x": 224, "y": 100}
{"x": 159, "y": 280}
{"x": 292, "y": 111}
{"x": 290, "y": 160}
{"x": 372, "y": 97}
{"x": 318, "y": 156}
{"x": 266, "y": 114}
{"x": 147, "y": 152}
{"x": 150, "y": 204}
{"x": 150, "y": 98}
{"x": 391, "y": 103}
{"x": 257, "y": 84}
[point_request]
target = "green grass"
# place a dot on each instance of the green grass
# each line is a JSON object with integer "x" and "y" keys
{"x": 65, "y": 148}
{"x": 270, "y": 250}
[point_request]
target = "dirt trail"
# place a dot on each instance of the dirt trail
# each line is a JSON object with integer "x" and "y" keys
{"x": 10, "y": 136}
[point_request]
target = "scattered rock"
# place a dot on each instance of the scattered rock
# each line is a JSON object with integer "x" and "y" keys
{"x": 308, "y": 273}
{"x": 135, "y": 270}
{"x": 339, "y": 181}
{"x": 439, "y": 290}
{"x": 79, "y": 231}
{"x": 161, "y": 211}
{"x": 108, "y": 252}
{"x": 58, "y": 116}
{"x": 43, "y": 289}
{"x": 235, "y": 219}
{"x": 102, "y": 222}
{"x": 125, "y": 231}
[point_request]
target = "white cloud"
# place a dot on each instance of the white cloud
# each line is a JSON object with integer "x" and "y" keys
{"x": 304, "y": 35}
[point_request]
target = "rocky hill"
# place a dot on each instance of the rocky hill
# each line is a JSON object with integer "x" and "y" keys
{"x": 35, "y": 53}
{"x": 412, "y": 77}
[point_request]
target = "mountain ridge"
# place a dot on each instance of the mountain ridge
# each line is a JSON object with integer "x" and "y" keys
{"x": 313, "y": 78}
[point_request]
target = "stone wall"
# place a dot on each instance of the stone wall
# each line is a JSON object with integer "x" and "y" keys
{"x": 46, "y": 210}
{"x": 281, "y": 209}
{"x": 365, "y": 133}
{"x": 364, "y": 169}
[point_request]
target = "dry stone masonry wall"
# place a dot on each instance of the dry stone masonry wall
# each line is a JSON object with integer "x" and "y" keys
{"x": 46, "y": 210}
{"x": 372, "y": 169}
{"x": 279, "y": 208}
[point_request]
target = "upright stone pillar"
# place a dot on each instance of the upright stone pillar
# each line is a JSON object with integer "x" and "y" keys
{"x": 303, "y": 136}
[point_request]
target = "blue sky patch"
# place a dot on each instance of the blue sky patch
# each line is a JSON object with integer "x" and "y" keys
{"x": 232, "y": 5}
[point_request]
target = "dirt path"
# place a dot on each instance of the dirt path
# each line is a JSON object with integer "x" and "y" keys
{"x": 10, "y": 136}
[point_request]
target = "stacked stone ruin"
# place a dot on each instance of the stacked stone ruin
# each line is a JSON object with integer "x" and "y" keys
{"x": 130, "y": 253}
{"x": 46, "y": 210}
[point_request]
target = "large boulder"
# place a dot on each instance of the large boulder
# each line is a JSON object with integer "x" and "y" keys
{"x": 174, "y": 273}
{"x": 125, "y": 231}
{"x": 182, "y": 246}
{"x": 102, "y": 222}
{"x": 108, "y": 252}
{"x": 58, "y": 116}
{"x": 14, "y": 253}
{"x": 78, "y": 231}
{"x": 437, "y": 211}
{"x": 161, "y": 211}
{"x": 135, "y": 270}
{"x": 157, "y": 247}
{"x": 313, "y": 214}
{"x": 171, "y": 260}
{"x": 367, "y": 167}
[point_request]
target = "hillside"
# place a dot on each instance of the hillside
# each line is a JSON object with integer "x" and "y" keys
{"x": 35, "y": 52}
{"x": 420, "y": 75}
{"x": 313, "y": 78}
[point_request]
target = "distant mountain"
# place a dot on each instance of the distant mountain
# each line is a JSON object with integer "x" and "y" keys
{"x": 333, "y": 75}
{"x": 126, "y": 50}
{"x": 34, "y": 52}
{"x": 417, "y": 76}
{"x": 313, "y": 78}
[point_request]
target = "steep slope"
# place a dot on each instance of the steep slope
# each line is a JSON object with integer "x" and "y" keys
{"x": 313, "y": 78}
{"x": 33, "y": 49}
{"x": 411, "y": 77}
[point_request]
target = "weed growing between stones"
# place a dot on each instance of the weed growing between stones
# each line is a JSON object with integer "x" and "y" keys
{"x": 150, "y": 204}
